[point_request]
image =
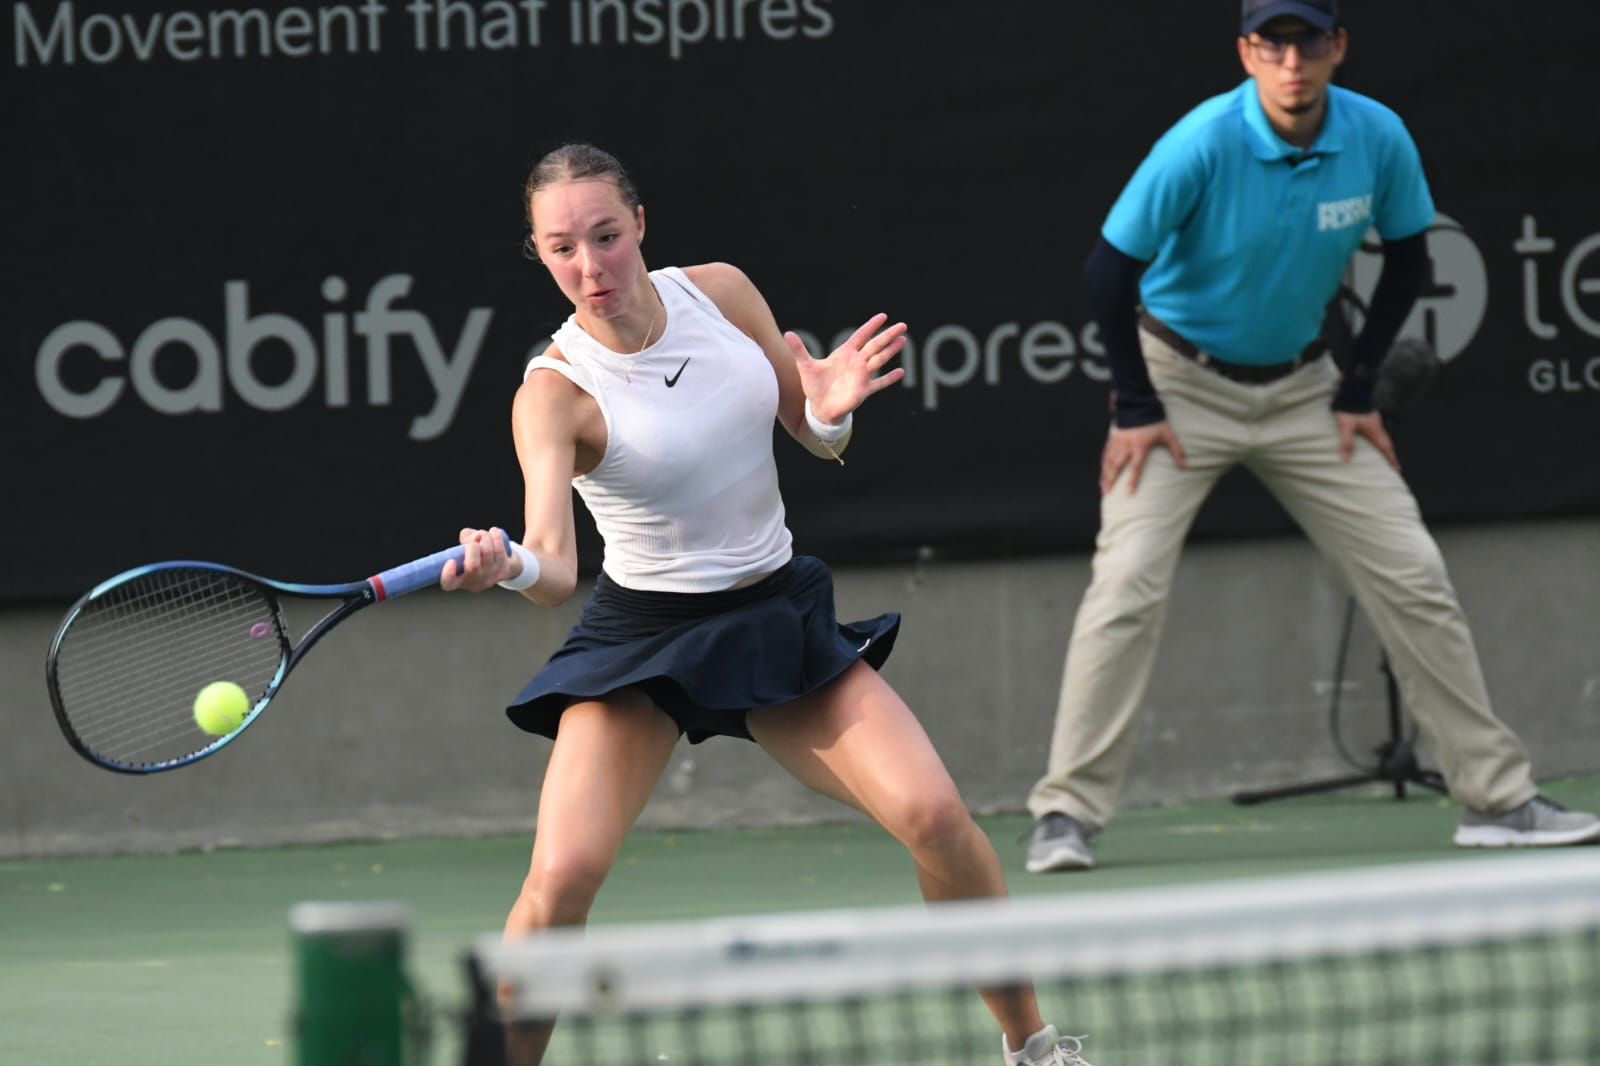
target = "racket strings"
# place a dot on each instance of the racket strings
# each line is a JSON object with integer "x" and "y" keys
{"x": 130, "y": 663}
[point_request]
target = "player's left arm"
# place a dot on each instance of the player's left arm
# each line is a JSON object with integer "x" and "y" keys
{"x": 835, "y": 386}
{"x": 1403, "y": 210}
{"x": 1405, "y": 266}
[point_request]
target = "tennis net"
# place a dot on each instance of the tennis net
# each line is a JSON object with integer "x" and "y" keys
{"x": 1489, "y": 961}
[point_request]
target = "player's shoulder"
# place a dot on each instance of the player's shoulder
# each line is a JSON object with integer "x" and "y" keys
{"x": 1215, "y": 116}
{"x": 548, "y": 378}
{"x": 553, "y": 394}
{"x": 1210, "y": 126}
{"x": 732, "y": 292}
{"x": 1365, "y": 112}
{"x": 719, "y": 280}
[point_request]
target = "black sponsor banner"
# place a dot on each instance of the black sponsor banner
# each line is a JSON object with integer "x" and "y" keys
{"x": 264, "y": 300}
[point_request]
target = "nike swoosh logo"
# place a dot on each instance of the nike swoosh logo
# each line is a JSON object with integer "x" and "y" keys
{"x": 673, "y": 380}
{"x": 864, "y": 646}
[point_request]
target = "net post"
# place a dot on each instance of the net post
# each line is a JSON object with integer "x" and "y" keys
{"x": 354, "y": 1004}
{"x": 483, "y": 1030}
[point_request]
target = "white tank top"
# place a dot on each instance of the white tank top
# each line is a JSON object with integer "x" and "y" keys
{"x": 686, "y": 495}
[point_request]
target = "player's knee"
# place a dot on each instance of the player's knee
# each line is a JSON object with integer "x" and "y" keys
{"x": 1432, "y": 578}
{"x": 1414, "y": 574}
{"x": 562, "y": 889}
{"x": 1128, "y": 608}
{"x": 1134, "y": 577}
{"x": 934, "y": 823}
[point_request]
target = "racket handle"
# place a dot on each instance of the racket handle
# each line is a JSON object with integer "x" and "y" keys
{"x": 420, "y": 573}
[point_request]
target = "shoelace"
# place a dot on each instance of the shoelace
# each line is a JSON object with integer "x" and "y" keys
{"x": 1062, "y": 1055}
{"x": 1050, "y": 820}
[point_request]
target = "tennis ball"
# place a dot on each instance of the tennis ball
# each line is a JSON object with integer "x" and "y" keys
{"x": 220, "y": 708}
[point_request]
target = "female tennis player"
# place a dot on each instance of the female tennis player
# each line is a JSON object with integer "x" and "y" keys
{"x": 656, "y": 401}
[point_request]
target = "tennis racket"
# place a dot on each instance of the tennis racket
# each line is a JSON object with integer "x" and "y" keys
{"x": 129, "y": 657}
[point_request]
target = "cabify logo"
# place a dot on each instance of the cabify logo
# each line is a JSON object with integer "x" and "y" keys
{"x": 199, "y": 367}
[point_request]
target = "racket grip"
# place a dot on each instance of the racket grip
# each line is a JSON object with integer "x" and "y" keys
{"x": 420, "y": 573}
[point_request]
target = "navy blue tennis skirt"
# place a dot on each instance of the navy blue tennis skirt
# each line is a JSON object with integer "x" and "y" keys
{"x": 706, "y": 658}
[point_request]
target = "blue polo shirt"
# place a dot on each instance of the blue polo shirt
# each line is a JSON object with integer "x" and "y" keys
{"x": 1248, "y": 245}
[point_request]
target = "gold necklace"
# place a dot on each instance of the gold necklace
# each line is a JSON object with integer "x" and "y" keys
{"x": 627, "y": 368}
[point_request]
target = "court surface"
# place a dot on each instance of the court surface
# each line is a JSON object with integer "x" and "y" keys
{"x": 186, "y": 959}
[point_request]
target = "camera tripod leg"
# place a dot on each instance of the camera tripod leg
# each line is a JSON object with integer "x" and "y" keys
{"x": 1397, "y": 762}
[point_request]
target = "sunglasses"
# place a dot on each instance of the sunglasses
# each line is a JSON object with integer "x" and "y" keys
{"x": 1311, "y": 44}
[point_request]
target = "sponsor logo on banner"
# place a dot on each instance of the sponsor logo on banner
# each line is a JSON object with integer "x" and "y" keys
{"x": 1560, "y": 291}
{"x": 83, "y": 369}
{"x": 1455, "y": 291}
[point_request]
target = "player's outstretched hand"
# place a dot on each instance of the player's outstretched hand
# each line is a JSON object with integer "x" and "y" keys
{"x": 486, "y": 562}
{"x": 839, "y": 384}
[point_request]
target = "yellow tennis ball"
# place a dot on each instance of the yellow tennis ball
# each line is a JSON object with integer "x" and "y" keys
{"x": 220, "y": 708}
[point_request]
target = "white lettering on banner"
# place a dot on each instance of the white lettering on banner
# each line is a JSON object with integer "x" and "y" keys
{"x": 187, "y": 36}
{"x": 1579, "y": 291}
{"x": 495, "y": 25}
{"x": 1564, "y": 375}
{"x": 1531, "y": 244}
{"x": 1573, "y": 286}
{"x": 244, "y": 334}
{"x": 681, "y": 22}
{"x": 1045, "y": 352}
{"x": 58, "y": 35}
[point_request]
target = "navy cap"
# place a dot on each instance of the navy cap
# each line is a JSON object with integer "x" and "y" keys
{"x": 1321, "y": 14}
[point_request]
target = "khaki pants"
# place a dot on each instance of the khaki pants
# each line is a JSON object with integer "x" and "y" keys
{"x": 1359, "y": 513}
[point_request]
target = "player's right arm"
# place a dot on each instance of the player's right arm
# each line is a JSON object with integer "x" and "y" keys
{"x": 1161, "y": 195}
{"x": 550, "y": 417}
{"x": 547, "y": 417}
{"x": 1112, "y": 279}
{"x": 1139, "y": 422}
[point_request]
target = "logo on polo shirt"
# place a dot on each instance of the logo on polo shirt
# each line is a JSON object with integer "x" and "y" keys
{"x": 1342, "y": 214}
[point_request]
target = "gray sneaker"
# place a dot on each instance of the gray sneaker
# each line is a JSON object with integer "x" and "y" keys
{"x": 1059, "y": 842}
{"x": 1539, "y": 823}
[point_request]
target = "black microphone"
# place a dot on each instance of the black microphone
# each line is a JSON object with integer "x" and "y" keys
{"x": 1406, "y": 371}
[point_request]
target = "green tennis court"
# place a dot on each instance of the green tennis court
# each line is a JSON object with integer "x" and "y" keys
{"x": 186, "y": 959}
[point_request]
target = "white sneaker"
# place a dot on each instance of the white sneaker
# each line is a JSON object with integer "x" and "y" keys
{"x": 1539, "y": 823}
{"x": 1046, "y": 1048}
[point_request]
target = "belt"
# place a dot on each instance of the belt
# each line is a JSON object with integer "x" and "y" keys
{"x": 1244, "y": 373}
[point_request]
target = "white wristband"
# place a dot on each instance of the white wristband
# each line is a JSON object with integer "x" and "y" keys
{"x": 530, "y": 568}
{"x": 828, "y": 432}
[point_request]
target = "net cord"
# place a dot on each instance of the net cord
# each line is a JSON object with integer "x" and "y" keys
{"x": 833, "y": 954}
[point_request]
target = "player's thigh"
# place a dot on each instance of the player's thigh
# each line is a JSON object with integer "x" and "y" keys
{"x": 1168, "y": 495}
{"x": 1360, "y": 512}
{"x": 856, "y": 741}
{"x": 608, "y": 755}
{"x": 1142, "y": 532}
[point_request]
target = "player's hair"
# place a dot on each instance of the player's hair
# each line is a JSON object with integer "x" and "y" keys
{"x": 575, "y": 162}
